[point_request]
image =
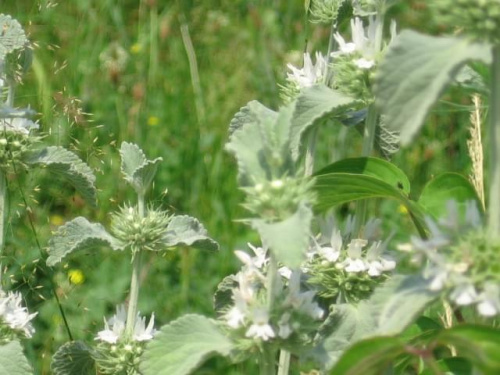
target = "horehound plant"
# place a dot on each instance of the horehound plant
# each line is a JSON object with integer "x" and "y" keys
{"x": 135, "y": 230}
{"x": 22, "y": 149}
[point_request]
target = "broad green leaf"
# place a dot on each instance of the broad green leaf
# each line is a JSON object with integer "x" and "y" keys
{"x": 287, "y": 239}
{"x": 452, "y": 366}
{"x": 62, "y": 162}
{"x": 313, "y": 105}
{"x": 13, "y": 361}
{"x": 251, "y": 114}
{"x": 73, "y": 358}
{"x": 187, "y": 231}
{"x": 137, "y": 169}
{"x": 445, "y": 187}
{"x": 479, "y": 344}
{"x": 181, "y": 346}
{"x": 78, "y": 234}
{"x": 12, "y": 36}
{"x": 416, "y": 70}
{"x": 369, "y": 357}
{"x": 374, "y": 167}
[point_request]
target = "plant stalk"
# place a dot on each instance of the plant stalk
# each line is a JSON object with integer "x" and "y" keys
{"x": 494, "y": 194}
{"x": 135, "y": 280}
{"x": 284, "y": 364}
{"x": 3, "y": 199}
{"x": 267, "y": 366}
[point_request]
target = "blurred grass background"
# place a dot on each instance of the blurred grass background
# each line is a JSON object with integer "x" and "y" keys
{"x": 167, "y": 75}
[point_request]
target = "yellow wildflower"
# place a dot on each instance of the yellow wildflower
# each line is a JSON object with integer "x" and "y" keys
{"x": 153, "y": 120}
{"x": 76, "y": 276}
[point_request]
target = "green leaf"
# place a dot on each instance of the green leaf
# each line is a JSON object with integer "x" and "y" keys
{"x": 223, "y": 296}
{"x": 416, "y": 70}
{"x": 62, "y": 162}
{"x": 369, "y": 357}
{"x": 78, "y": 234}
{"x": 287, "y": 239}
{"x": 187, "y": 231}
{"x": 452, "y": 366}
{"x": 12, "y": 36}
{"x": 313, "y": 105}
{"x": 251, "y": 114}
{"x": 479, "y": 344}
{"x": 446, "y": 187}
{"x": 13, "y": 361}
{"x": 137, "y": 169}
{"x": 181, "y": 346}
{"x": 73, "y": 358}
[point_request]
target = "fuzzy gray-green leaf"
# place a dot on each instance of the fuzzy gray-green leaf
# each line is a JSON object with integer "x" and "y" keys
{"x": 78, "y": 234}
{"x": 12, "y": 36}
{"x": 73, "y": 358}
{"x": 65, "y": 163}
{"x": 181, "y": 346}
{"x": 416, "y": 70}
{"x": 287, "y": 239}
{"x": 13, "y": 361}
{"x": 137, "y": 169}
{"x": 187, "y": 231}
{"x": 313, "y": 105}
{"x": 252, "y": 113}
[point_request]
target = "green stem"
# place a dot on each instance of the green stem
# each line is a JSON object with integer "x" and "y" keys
{"x": 311, "y": 148}
{"x": 368, "y": 142}
{"x": 284, "y": 364}
{"x": 135, "y": 280}
{"x": 494, "y": 194}
{"x": 272, "y": 272}
{"x": 267, "y": 365}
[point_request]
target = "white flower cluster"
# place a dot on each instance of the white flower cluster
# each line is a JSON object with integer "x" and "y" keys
{"x": 252, "y": 313}
{"x": 310, "y": 74}
{"x": 14, "y": 315}
{"x": 353, "y": 259}
{"x": 448, "y": 271}
{"x": 114, "y": 328}
{"x": 363, "y": 42}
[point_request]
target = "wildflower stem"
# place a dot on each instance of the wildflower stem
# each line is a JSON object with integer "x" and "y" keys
{"x": 284, "y": 364}
{"x": 272, "y": 272}
{"x": 134, "y": 282}
{"x": 494, "y": 194}
{"x": 368, "y": 141}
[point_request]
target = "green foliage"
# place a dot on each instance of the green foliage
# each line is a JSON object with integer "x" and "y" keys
{"x": 287, "y": 239}
{"x": 12, "y": 37}
{"x": 415, "y": 72}
{"x": 74, "y": 358}
{"x": 445, "y": 187}
{"x": 315, "y": 104}
{"x": 137, "y": 169}
{"x": 65, "y": 163}
{"x": 13, "y": 361}
{"x": 187, "y": 231}
{"x": 76, "y": 235}
{"x": 182, "y": 345}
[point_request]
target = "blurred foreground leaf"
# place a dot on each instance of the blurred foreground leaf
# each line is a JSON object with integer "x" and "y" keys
{"x": 13, "y": 360}
{"x": 73, "y": 358}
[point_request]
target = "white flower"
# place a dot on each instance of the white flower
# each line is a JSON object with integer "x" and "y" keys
{"x": 235, "y": 317}
{"x": 285, "y": 272}
{"x": 364, "y": 63}
{"x": 361, "y": 42}
{"x": 284, "y": 326}
{"x": 310, "y": 74}
{"x": 376, "y": 262}
{"x": 260, "y": 328}
{"x": 18, "y": 125}
{"x": 354, "y": 263}
{"x": 464, "y": 294}
{"x": 259, "y": 261}
{"x": 489, "y": 300}
{"x": 331, "y": 253}
{"x": 115, "y": 327}
{"x": 302, "y": 301}
{"x": 14, "y": 314}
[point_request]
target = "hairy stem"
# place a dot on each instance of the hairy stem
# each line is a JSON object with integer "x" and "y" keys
{"x": 494, "y": 194}
{"x": 135, "y": 281}
{"x": 284, "y": 364}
